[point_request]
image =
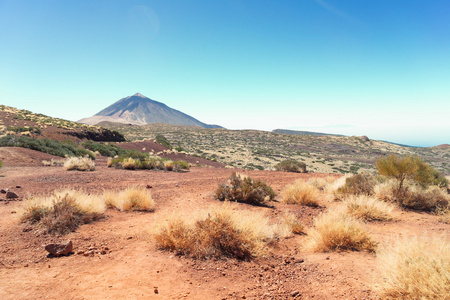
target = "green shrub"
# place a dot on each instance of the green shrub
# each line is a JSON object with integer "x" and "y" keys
{"x": 245, "y": 189}
{"x": 414, "y": 169}
{"x": 180, "y": 165}
{"x": 291, "y": 165}
{"x": 24, "y": 129}
{"x": 163, "y": 141}
{"x": 1, "y": 164}
{"x": 359, "y": 184}
{"x": 52, "y": 147}
{"x": 109, "y": 150}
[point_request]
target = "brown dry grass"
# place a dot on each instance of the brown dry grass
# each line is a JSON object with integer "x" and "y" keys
{"x": 337, "y": 231}
{"x": 368, "y": 208}
{"x": 221, "y": 232}
{"x": 301, "y": 192}
{"x": 415, "y": 268}
{"x": 130, "y": 199}
{"x": 79, "y": 163}
{"x": 293, "y": 223}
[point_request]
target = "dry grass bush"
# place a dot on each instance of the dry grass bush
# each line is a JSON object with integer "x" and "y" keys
{"x": 79, "y": 163}
{"x": 359, "y": 184}
{"x": 222, "y": 232}
{"x": 245, "y": 189}
{"x": 292, "y": 223}
{"x": 415, "y": 268}
{"x": 368, "y": 208}
{"x": 63, "y": 211}
{"x": 130, "y": 199}
{"x": 322, "y": 183}
{"x": 130, "y": 163}
{"x": 443, "y": 213}
{"x": 337, "y": 231}
{"x": 291, "y": 165}
{"x": 301, "y": 192}
{"x": 53, "y": 162}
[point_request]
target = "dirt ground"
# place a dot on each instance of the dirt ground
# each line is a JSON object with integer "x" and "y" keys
{"x": 131, "y": 266}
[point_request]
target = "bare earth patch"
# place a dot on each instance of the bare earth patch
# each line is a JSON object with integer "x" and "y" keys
{"x": 116, "y": 257}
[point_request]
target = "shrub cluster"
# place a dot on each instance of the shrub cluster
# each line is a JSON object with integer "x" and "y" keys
{"x": 52, "y": 147}
{"x": 79, "y": 163}
{"x": 136, "y": 160}
{"x": 359, "y": 184}
{"x": 245, "y": 189}
{"x": 163, "y": 141}
{"x": 336, "y": 231}
{"x": 291, "y": 165}
{"x": 130, "y": 199}
{"x": 109, "y": 150}
{"x": 416, "y": 184}
{"x": 64, "y": 211}
{"x": 19, "y": 129}
{"x": 301, "y": 192}
{"x": 219, "y": 233}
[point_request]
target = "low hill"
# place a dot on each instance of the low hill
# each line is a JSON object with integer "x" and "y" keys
{"x": 140, "y": 110}
{"x": 23, "y": 122}
{"x": 300, "y": 132}
{"x": 252, "y": 149}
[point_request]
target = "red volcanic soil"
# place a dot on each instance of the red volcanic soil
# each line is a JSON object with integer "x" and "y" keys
{"x": 131, "y": 266}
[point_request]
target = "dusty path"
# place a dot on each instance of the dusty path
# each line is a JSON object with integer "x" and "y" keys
{"x": 132, "y": 267}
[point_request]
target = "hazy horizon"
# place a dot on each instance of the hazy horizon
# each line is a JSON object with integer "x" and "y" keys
{"x": 375, "y": 68}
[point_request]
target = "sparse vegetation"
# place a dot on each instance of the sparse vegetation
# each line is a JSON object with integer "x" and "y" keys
{"x": 1, "y": 164}
{"x": 245, "y": 189}
{"x": 131, "y": 199}
{"x": 291, "y": 165}
{"x": 79, "y": 163}
{"x": 219, "y": 233}
{"x": 163, "y": 141}
{"x": 293, "y": 223}
{"x": 301, "y": 192}
{"x": 338, "y": 231}
{"x": 415, "y": 268}
{"x": 63, "y": 211}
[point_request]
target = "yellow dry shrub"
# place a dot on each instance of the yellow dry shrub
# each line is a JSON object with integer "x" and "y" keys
{"x": 130, "y": 199}
{"x": 109, "y": 162}
{"x": 130, "y": 163}
{"x": 337, "y": 231}
{"x": 368, "y": 208}
{"x": 322, "y": 183}
{"x": 414, "y": 268}
{"x": 217, "y": 233}
{"x": 79, "y": 163}
{"x": 292, "y": 223}
{"x": 301, "y": 192}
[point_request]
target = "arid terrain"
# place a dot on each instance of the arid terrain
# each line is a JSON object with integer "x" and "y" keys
{"x": 126, "y": 263}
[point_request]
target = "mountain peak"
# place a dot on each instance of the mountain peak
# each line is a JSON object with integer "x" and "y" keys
{"x": 139, "y": 95}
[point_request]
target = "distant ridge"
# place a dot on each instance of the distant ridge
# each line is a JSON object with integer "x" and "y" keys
{"x": 141, "y": 110}
{"x": 298, "y": 132}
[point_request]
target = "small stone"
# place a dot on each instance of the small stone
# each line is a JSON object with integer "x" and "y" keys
{"x": 103, "y": 252}
{"x": 60, "y": 249}
{"x": 156, "y": 290}
{"x": 129, "y": 238}
{"x": 25, "y": 266}
{"x": 11, "y": 195}
{"x": 18, "y": 187}
{"x": 80, "y": 252}
{"x": 149, "y": 186}
{"x": 295, "y": 293}
{"x": 4, "y": 191}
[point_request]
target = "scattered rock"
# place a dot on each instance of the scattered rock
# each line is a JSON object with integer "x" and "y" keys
{"x": 4, "y": 191}
{"x": 149, "y": 186}
{"x": 18, "y": 187}
{"x": 295, "y": 293}
{"x": 11, "y": 195}
{"x": 60, "y": 249}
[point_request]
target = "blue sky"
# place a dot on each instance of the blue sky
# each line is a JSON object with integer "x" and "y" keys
{"x": 379, "y": 68}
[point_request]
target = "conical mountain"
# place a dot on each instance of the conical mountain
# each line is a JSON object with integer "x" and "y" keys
{"x": 140, "y": 110}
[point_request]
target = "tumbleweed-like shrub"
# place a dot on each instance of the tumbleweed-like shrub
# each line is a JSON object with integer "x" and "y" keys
{"x": 245, "y": 189}
{"x": 63, "y": 211}
{"x": 131, "y": 199}
{"x": 337, "y": 231}
{"x": 222, "y": 232}
{"x": 368, "y": 208}
{"x": 301, "y": 192}
{"x": 414, "y": 267}
{"x": 291, "y": 165}
{"x": 79, "y": 164}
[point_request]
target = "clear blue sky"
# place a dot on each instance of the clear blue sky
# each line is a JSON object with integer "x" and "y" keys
{"x": 379, "y": 68}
